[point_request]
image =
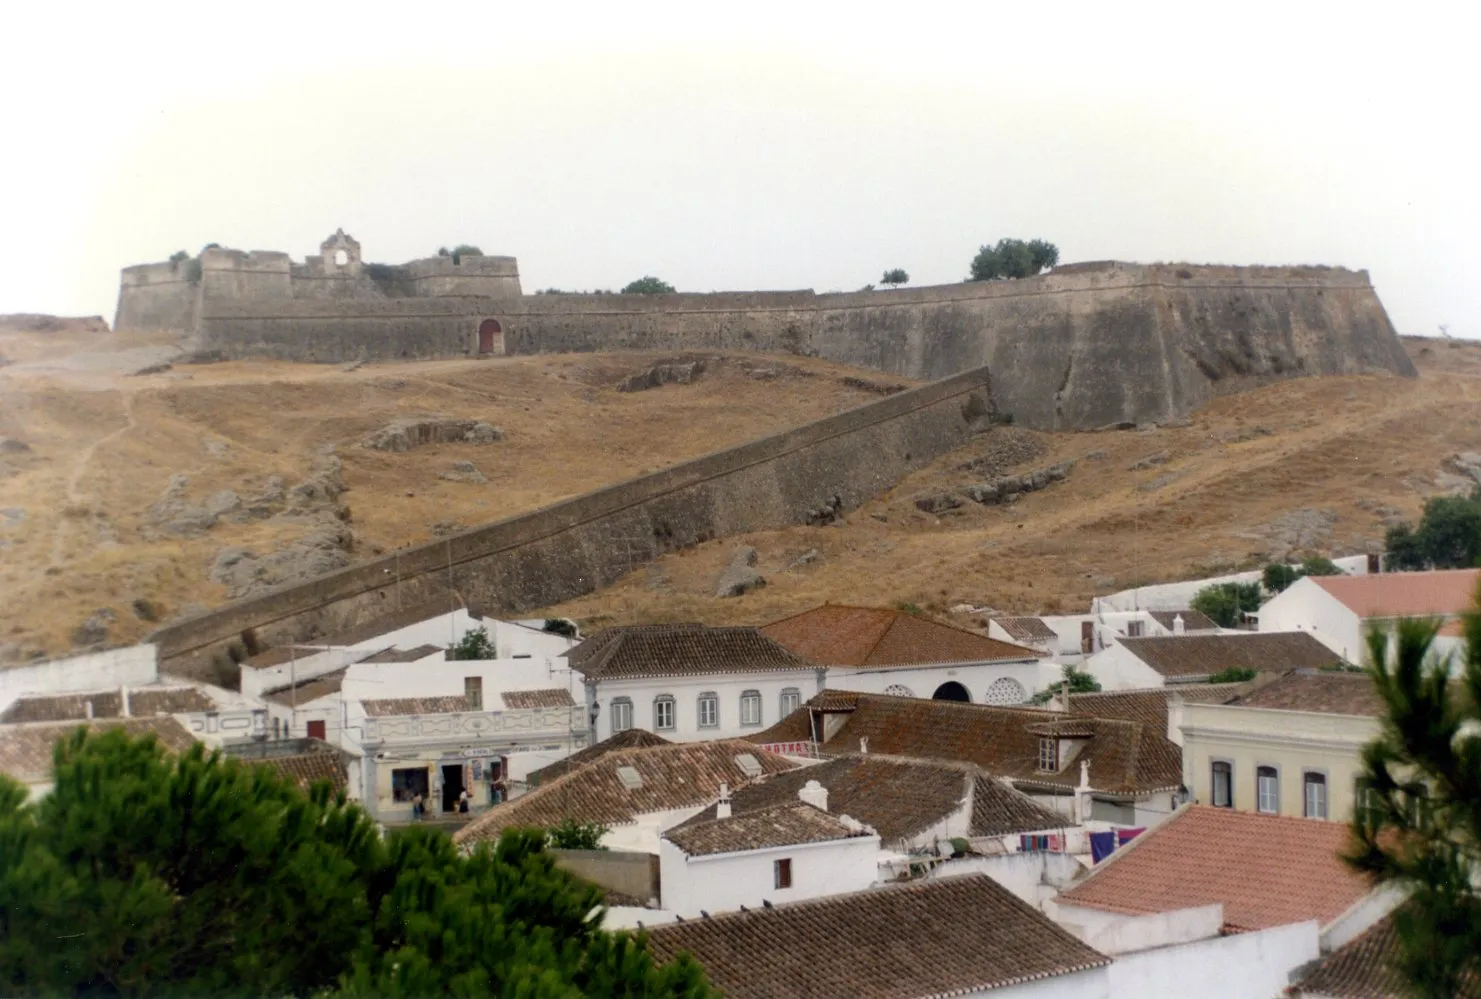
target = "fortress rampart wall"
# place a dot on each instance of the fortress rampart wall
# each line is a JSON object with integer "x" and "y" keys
{"x": 575, "y": 546}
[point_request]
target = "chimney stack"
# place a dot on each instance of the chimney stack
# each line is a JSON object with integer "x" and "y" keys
{"x": 722, "y": 807}
{"x": 123, "y": 693}
{"x": 814, "y": 794}
{"x": 1177, "y": 625}
{"x": 87, "y": 706}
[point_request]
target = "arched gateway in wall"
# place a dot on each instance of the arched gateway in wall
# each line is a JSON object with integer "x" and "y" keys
{"x": 490, "y": 337}
{"x": 951, "y": 691}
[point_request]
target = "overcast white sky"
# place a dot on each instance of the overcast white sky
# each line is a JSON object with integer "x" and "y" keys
{"x": 744, "y": 145}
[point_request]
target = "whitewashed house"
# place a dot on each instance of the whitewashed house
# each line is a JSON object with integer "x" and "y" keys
{"x": 1139, "y": 663}
{"x": 688, "y": 682}
{"x": 880, "y": 650}
{"x": 1071, "y": 638}
{"x": 1338, "y": 610}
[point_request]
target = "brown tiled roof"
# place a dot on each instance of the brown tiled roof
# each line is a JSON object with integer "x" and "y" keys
{"x": 280, "y": 654}
{"x": 26, "y": 750}
{"x": 1330, "y": 693}
{"x": 679, "y": 775}
{"x": 411, "y": 655}
{"x": 306, "y": 768}
{"x": 900, "y": 798}
{"x": 143, "y": 702}
{"x": 1192, "y": 620}
{"x": 839, "y": 635}
{"x": 786, "y": 824}
{"x": 996, "y": 739}
{"x": 551, "y": 697}
{"x": 927, "y": 938}
{"x": 1268, "y": 870}
{"x": 679, "y": 650}
{"x": 1177, "y": 656}
{"x": 1028, "y": 629}
{"x": 384, "y": 706}
{"x": 310, "y": 690}
{"x": 1404, "y": 594}
{"x": 632, "y": 738}
{"x": 1362, "y": 968}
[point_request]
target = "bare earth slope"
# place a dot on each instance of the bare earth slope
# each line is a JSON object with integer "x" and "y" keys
{"x": 92, "y": 533}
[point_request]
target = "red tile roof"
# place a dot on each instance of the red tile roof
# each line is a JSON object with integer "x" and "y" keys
{"x": 1028, "y": 629}
{"x": 632, "y": 738}
{"x": 932, "y": 938}
{"x": 1267, "y": 870}
{"x": 839, "y": 635}
{"x": 26, "y": 750}
{"x": 1404, "y": 594}
{"x": 143, "y": 702}
{"x": 1192, "y": 620}
{"x": 1327, "y": 693}
{"x": 1179, "y": 657}
{"x": 382, "y": 707}
{"x": 789, "y": 823}
{"x": 552, "y": 697}
{"x": 1362, "y": 969}
{"x": 653, "y": 650}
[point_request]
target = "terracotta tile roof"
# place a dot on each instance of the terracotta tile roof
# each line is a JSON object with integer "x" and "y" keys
{"x": 633, "y": 738}
{"x": 383, "y": 706}
{"x": 787, "y": 824}
{"x": 306, "y": 768}
{"x": 1180, "y": 656}
{"x": 1362, "y": 969}
{"x": 679, "y": 650}
{"x": 1404, "y": 594}
{"x": 659, "y": 779}
{"x": 309, "y": 690}
{"x": 1192, "y": 620}
{"x": 26, "y": 750}
{"x": 944, "y": 937}
{"x": 1268, "y": 870}
{"x": 900, "y": 798}
{"x": 1327, "y": 693}
{"x": 552, "y": 697}
{"x": 839, "y": 635}
{"x": 410, "y": 655}
{"x": 1028, "y": 629}
{"x": 143, "y": 702}
{"x": 279, "y": 655}
{"x": 996, "y": 739}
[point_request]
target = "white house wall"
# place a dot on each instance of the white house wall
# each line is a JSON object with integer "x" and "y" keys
{"x": 509, "y": 639}
{"x": 643, "y": 835}
{"x": 1255, "y": 965}
{"x": 725, "y": 882}
{"x": 1116, "y": 668}
{"x": 135, "y": 665}
{"x": 923, "y": 681}
{"x": 1176, "y": 596}
{"x": 1305, "y": 606}
{"x": 258, "y": 680}
{"x": 1092, "y": 984}
{"x": 444, "y": 678}
{"x": 686, "y": 690}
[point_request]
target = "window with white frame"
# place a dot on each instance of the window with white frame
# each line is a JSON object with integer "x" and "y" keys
{"x": 750, "y": 707}
{"x": 622, "y": 714}
{"x": 791, "y": 701}
{"x": 1048, "y": 755}
{"x": 663, "y": 713}
{"x": 1267, "y": 790}
{"x": 1134, "y": 629}
{"x": 1315, "y": 787}
{"x": 709, "y": 710}
{"x": 1223, "y": 785}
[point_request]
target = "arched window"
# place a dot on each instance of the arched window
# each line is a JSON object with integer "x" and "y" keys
{"x": 791, "y": 701}
{"x": 750, "y": 708}
{"x": 622, "y": 714}
{"x": 1315, "y": 787}
{"x": 1222, "y": 794}
{"x": 895, "y": 690}
{"x": 1005, "y": 690}
{"x": 709, "y": 710}
{"x": 1267, "y": 790}
{"x": 663, "y": 713}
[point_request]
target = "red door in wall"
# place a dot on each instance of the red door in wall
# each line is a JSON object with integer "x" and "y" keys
{"x": 490, "y": 337}
{"x": 316, "y": 730}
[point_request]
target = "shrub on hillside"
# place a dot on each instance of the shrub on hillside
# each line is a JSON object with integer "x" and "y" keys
{"x": 648, "y": 286}
{"x": 1448, "y": 536}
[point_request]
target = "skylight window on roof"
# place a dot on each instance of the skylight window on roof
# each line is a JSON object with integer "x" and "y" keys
{"x": 750, "y": 766}
{"x": 631, "y": 779}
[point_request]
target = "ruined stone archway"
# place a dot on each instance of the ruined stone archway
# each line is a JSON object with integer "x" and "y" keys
{"x": 490, "y": 337}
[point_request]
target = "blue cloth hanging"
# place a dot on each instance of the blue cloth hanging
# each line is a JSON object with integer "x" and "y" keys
{"x": 1102, "y": 845}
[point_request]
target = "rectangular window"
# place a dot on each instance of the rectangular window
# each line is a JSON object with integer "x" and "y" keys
{"x": 750, "y": 708}
{"x": 1087, "y": 637}
{"x": 709, "y": 710}
{"x": 1316, "y": 796}
{"x": 622, "y": 715}
{"x": 663, "y": 713}
{"x": 1267, "y": 790}
{"x": 408, "y": 783}
{"x": 316, "y": 730}
{"x": 1364, "y": 800}
{"x": 791, "y": 701}
{"x": 473, "y": 691}
{"x": 782, "y": 872}
{"x": 1134, "y": 629}
{"x": 1048, "y": 756}
{"x": 1223, "y": 789}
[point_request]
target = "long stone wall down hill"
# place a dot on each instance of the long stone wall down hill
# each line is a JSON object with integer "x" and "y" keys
{"x": 1084, "y": 346}
{"x": 805, "y": 475}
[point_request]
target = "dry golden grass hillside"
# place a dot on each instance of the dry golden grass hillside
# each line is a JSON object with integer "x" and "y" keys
{"x": 1312, "y": 464}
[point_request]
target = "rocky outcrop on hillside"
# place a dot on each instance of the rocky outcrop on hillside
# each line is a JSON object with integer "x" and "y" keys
{"x": 406, "y": 435}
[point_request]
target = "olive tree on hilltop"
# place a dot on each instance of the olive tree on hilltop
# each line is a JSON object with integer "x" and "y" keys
{"x": 648, "y": 285}
{"x": 1013, "y": 258}
{"x": 894, "y": 277}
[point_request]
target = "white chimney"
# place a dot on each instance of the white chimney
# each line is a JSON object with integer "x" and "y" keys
{"x": 722, "y": 807}
{"x": 1177, "y": 625}
{"x": 814, "y": 794}
{"x": 88, "y": 707}
{"x": 864, "y": 744}
{"x": 123, "y": 693}
{"x": 1082, "y": 795}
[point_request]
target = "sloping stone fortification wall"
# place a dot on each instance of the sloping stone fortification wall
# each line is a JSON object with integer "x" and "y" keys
{"x": 808, "y": 474}
{"x": 1084, "y": 346}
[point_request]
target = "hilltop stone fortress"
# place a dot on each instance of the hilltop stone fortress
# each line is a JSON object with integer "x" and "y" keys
{"x": 1085, "y": 346}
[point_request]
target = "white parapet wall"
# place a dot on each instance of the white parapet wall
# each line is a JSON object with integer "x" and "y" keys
{"x": 134, "y": 665}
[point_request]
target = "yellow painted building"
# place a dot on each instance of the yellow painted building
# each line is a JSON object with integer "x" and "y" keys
{"x": 1293, "y": 747}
